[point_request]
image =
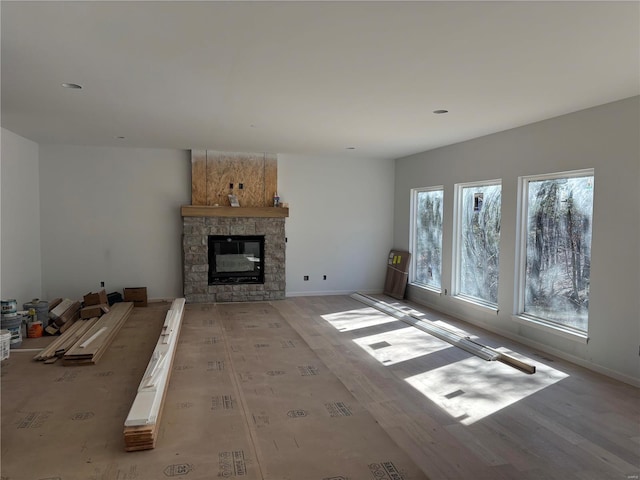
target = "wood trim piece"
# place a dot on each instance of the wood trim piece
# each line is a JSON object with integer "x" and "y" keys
{"x": 108, "y": 325}
{"x": 142, "y": 423}
{"x": 64, "y": 342}
{"x": 206, "y": 211}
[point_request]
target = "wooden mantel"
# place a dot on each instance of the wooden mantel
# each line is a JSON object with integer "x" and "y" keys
{"x": 207, "y": 211}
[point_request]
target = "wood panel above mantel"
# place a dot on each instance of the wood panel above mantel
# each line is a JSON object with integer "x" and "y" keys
{"x": 251, "y": 177}
{"x": 259, "y": 212}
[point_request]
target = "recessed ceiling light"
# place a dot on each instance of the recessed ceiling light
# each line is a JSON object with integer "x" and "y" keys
{"x": 350, "y": 148}
{"x": 119, "y": 137}
{"x": 72, "y": 85}
{"x": 440, "y": 112}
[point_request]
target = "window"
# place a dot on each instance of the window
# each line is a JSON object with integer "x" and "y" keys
{"x": 427, "y": 237}
{"x": 476, "y": 241}
{"x": 555, "y": 249}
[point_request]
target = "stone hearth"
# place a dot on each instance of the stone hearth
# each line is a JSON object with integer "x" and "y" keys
{"x": 196, "y": 231}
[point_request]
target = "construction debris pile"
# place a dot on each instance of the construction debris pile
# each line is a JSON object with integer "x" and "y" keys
{"x": 86, "y": 328}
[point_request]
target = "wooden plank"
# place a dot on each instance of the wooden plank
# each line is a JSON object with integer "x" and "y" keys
{"x": 62, "y": 307}
{"x": 54, "y": 303}
{"x": 70, "y": 314}
{"x": 68, "y": 325}
{"x": 142, "y": 422}
{"x": 66, "y": 340}
{"x": 206, "y": 211}
{"x": 92, "y": 337}
{"x": 109, "y": 324}
{"x": 77, "y": 335}
{"x": 198, "y": 177}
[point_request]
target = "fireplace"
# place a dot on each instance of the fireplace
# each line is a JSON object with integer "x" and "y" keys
{"x": 232, "y": 273}
{"x": 235, "y": 259}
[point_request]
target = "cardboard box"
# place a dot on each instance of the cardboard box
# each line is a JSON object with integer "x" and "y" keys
{"x": 95, "y": 298}
{"x": 137, "y": 295}
{"x": 94, "y": 311}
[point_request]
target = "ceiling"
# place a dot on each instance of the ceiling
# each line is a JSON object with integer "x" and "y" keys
{"x": 307, "y": 77}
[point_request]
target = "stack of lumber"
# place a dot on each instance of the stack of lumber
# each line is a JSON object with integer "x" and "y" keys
{"x": 94, "y": 342}
{"x": 63, "y": 315}
{"x": 64, "y": 342}
{"x": 142, "y": 423}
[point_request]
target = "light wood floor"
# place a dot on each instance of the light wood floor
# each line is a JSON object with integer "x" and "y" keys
{"x": 459, "y": 417}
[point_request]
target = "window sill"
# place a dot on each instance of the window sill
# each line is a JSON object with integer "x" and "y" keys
{"x": 472, "y": 302}
{"x": 426, "y": 288}
{"x": 554, "y": 329}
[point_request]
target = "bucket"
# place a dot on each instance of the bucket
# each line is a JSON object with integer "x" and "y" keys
{"x": 34, "y": 329}
{"x": 34, "y": 325}
{"x": 42, "y": 310}
{"x": 14, "y": 325}
{"x": 9, "y": 307}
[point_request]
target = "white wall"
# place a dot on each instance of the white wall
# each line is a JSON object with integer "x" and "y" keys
{"x": 112, "y": 215}
{"x": 340, "y": 223}
{"x": 20, "y": 213}
{"x": 605, "y": 138}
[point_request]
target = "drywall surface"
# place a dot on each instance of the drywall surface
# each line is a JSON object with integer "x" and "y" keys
{"x": 20, "y": 229}
{"x": 340, "y": 222}
{"x": 112, "y": 215}
{"x": 604, "y": 138}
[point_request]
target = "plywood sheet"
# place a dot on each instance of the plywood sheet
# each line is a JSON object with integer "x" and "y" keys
{"x": 198, "y": 177}
{"x": 226, "y": 169}
{"x": 270, "y": 178}
{"x": 251, "y": 177}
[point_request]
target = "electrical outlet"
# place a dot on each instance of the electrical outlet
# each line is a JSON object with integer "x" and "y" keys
{"x": 306, "y": 278}
{"x": 324, "y": 277}
{"x": 102, "y": 284}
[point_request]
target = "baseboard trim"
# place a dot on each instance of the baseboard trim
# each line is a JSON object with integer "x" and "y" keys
{"x": 330, "y": 292}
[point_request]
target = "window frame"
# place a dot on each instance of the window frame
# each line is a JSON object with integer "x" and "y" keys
{"x": 456, "y": 260}
{"x": 413, "y": 240}
{"x": 519, "y": 315}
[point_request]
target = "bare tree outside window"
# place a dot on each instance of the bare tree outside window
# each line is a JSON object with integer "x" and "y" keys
{"x": 427, "y": 255}
{"x": 558, "y": 250}
{"x": 478, "y": 249}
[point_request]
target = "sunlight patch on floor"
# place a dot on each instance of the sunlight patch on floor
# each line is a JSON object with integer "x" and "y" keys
{"x": 356, "y": 319}
{"x": 472, "y": 389}
{"x": 400, "y": 345}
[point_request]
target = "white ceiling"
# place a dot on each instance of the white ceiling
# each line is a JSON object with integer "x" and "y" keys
{"x": 307, "y": 77}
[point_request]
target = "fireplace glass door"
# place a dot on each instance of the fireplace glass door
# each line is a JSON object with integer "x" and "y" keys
{"x": 236, "y": 259}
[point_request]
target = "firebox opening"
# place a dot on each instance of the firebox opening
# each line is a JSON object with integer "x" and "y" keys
{"x": 236, "y": 259}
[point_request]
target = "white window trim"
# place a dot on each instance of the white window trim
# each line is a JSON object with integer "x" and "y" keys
{"x": 521, "y": 257}
{"x": 555, "y": 328}
{"x": 457, "y": 228}
{"x": 412, "y": 236}
{"x": 476, "y": 303}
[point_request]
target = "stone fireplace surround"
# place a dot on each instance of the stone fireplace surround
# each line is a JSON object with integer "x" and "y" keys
{"x": 195, "y": 233}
